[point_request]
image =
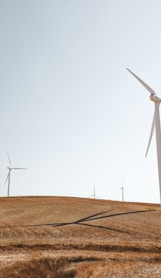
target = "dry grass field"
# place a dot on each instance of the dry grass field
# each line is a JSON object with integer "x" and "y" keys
{"x": 63, "y": 237}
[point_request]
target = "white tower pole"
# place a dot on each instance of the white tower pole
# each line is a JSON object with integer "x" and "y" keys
{"x": 8, "y": 190}
{"x": 158, "y": 142}
{"x": 94, "y": 193}
{"x": 122, "y": 188}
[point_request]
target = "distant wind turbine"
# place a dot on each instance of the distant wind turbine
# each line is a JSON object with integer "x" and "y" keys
{"x": 155, "y": 124}
{"x": 8, "y": 178}
{"x": 94, "y": 194}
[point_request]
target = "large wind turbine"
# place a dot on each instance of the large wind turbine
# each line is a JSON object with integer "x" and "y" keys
{"x": 8, "y": 178}
{"x": 155, "y": 124}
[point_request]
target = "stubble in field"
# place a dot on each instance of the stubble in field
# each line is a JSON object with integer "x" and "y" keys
{"x": 75, "y": 237}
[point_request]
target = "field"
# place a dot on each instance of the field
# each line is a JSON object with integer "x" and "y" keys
{"x": 63, "y": 237}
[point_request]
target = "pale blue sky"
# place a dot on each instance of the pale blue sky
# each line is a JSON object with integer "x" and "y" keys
{"x": 70, "y": 112}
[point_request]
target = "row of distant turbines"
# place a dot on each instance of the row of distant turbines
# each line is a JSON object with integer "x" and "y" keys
{"x": 94, "y": 196}
{"x": 8, "y": 178}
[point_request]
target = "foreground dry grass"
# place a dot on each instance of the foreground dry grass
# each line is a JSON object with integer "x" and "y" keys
{"x": 75, "y": 237}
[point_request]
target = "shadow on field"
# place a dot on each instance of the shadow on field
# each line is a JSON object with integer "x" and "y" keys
{"x": 93, "y": 217}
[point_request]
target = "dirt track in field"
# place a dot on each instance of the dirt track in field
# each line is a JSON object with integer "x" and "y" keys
{"x": 77, "y": 237}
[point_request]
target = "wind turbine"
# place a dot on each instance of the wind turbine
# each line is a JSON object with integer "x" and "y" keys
{"x": 8, "y": 178}
{"x": 155, "y": 124}
{"x": 94, "y": 194}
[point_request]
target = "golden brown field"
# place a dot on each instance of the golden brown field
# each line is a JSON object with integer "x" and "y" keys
{"x": 60, "y": 237}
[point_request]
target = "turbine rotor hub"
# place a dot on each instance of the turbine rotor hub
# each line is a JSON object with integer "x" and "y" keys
{"x": 154, "y": 98}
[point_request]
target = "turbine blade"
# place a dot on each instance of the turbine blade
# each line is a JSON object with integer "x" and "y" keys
{"x": 19, "y": 168}
{"x": 9, "y": 159}
{"x": 142, "y": 82}
{"x": 151, "y": 135}
{"x": 6, "y": 178}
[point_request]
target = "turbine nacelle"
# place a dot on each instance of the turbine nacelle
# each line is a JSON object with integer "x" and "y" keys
{"x": 154, "y": 98}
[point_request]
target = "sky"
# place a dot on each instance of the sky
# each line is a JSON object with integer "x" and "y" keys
{"x": 70, "y": 112}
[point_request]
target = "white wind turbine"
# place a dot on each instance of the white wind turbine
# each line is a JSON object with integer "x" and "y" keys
{"x": 8, "y": 178}
{"x": 155, "y": 124}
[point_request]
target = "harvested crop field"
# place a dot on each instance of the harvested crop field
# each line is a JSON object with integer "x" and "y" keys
{"x": 65, "y": 237}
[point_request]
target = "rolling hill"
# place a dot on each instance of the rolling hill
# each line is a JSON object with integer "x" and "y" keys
{"x": 60, "y": 237}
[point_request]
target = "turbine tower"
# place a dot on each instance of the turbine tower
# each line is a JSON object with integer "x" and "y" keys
{"x": 122, "y": 189}
{"x": 94, "y": 194}
{"x": 155, "y": 124}
{"x": 8, "y": 178}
